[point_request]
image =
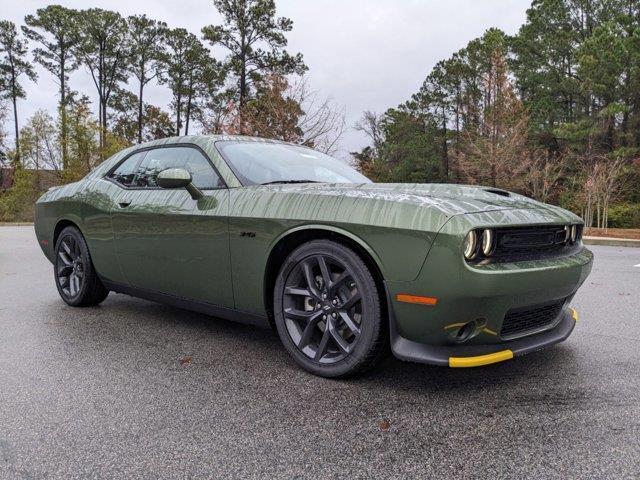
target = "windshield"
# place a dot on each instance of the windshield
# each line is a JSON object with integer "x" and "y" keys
{"x": 258, "y": 163}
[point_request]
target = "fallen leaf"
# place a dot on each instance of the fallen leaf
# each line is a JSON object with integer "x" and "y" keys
{"x": 185, "y": 360}
{"x": 384, "y": 425}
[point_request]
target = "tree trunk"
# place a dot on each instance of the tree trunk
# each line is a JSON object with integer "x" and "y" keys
{"x": 14, "y": 99}
{"x": 63, "y": 114}
{"x": 625, "y": 115}
{"x": 140, "y": 109}
{"x": 178, "y": 108}
{"x": 456, "y": 165}
{"x": 101, "y": 107}
{"x": 445, "y": 147}
{"x": 243, "y": 89}
{"x": 16, "y": 159}
{"x": 187, "y": 113}
{"x": 104, "y": 128}
{"x": 100, "y": 123}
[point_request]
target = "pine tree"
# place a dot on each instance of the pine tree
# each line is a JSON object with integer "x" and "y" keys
{"x": 13, "y": 65}
{"x": 55, "y": 30}
{"x": 256, "y": 43}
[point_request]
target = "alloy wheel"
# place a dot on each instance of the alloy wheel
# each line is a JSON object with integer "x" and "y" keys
{"x": 70, "y": 267}
{"x": 322, "y": 308}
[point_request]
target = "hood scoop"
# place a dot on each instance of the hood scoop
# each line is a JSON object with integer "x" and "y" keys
{"x": 502, "y": 193}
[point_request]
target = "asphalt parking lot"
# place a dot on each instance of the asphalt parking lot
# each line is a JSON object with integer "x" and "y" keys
{"x": 133, "y": 389}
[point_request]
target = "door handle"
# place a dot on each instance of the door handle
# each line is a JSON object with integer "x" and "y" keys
{"x": 124, "y": 204}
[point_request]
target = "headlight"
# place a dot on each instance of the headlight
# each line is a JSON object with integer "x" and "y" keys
{"x": 567, "y": 233}
{"x": 487, "y": 242}
{"x": 470, "y": 243}
{"x": 574, "y": 233}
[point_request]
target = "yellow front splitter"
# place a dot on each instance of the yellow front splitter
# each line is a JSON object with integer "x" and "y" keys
{"x": 501, "y": 356}
{"x": 480, "y": 360}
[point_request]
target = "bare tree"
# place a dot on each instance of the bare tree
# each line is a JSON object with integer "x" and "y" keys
{"x": 542, "y": 176}
{"x": 40, "y": 143}
{"x": 602, "y": 186}
{"x": 285, "y": 111}
{"x": 322, "y": 121}
{"x": 371, "y": 125}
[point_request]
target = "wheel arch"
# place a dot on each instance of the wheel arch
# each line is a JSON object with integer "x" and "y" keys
{"x": 291, "y": 239}
{"x": 61, "y": 224}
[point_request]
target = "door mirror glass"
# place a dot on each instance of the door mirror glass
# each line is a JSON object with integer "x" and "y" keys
{"x": 174, "y": 178}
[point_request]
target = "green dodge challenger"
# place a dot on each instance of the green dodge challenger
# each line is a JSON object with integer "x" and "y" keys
{"x": 277, "y": 234}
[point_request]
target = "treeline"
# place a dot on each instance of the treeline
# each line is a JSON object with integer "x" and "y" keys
{"x": 256, "y": 89}
{"x": 552, "y": 112}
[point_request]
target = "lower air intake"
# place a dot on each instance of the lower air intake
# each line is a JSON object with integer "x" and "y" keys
{"x": 520, "y": 321}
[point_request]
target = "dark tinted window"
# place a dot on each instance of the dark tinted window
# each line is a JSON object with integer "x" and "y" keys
{"x": 144, "y": 172}
{"x": 126, "y": 172}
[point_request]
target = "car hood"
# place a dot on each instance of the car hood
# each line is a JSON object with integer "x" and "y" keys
{"x": 448, "y": 198}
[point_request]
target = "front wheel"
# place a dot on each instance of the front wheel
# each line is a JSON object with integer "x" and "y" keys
{"x": 76, "y": 279}
{"x": 327, "y": 310}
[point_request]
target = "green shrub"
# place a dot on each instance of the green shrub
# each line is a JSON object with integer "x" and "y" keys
{"x": 624, "y": 215}
{"x": 17, "y": 203}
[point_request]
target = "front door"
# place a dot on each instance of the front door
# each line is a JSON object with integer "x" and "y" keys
{"x": 165, "y": 241}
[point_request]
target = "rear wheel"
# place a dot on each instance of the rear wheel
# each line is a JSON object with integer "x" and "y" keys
{"x": 327, "y": 310}
{"x": 76, "y": 279}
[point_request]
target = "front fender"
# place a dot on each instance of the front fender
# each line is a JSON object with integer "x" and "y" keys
{"x": 333, "y": 229}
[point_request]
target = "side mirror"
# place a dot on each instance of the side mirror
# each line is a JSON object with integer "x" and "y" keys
{"x": 178, "y": 178}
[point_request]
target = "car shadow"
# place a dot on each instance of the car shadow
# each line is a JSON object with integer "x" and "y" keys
{"x": 429, "y": 377}
{"x": 142, "y": 324}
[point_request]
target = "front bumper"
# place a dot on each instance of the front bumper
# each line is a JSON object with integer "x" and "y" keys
{"x": 461, "y": 356}
{"x": 484, "y": 295}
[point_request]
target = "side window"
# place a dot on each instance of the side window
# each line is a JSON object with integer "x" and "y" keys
{"x": 159, "y": 159}
{"x": 126, "y": 171}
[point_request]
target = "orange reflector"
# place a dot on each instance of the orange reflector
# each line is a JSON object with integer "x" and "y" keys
{"x": 403, "y": 297}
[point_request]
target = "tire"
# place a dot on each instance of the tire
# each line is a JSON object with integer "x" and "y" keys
{"x": 328, "y": 316}
{"x": 76, "y": 279}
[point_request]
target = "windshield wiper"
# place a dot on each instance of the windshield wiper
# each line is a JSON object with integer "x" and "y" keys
{"x": 290, "y": 181}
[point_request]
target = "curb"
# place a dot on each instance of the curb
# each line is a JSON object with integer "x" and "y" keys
{"x": 16, "y": 224}
{"x": 611, "y": 242}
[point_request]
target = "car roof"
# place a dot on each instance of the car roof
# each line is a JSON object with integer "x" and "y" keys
{"x": 206, "y": 138}
{"x": 204, "y": 142}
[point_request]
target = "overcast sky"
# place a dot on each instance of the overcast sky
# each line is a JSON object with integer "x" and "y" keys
{"x": 364, "y": 55}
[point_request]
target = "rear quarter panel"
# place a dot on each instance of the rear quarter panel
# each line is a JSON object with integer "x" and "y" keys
{"x": 87, "y": 204}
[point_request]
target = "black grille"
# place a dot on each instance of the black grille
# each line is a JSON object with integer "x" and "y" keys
{"x": 539, "y": 239}
{"x": 519, "y": 321}
{"x": 529, "y": 243}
